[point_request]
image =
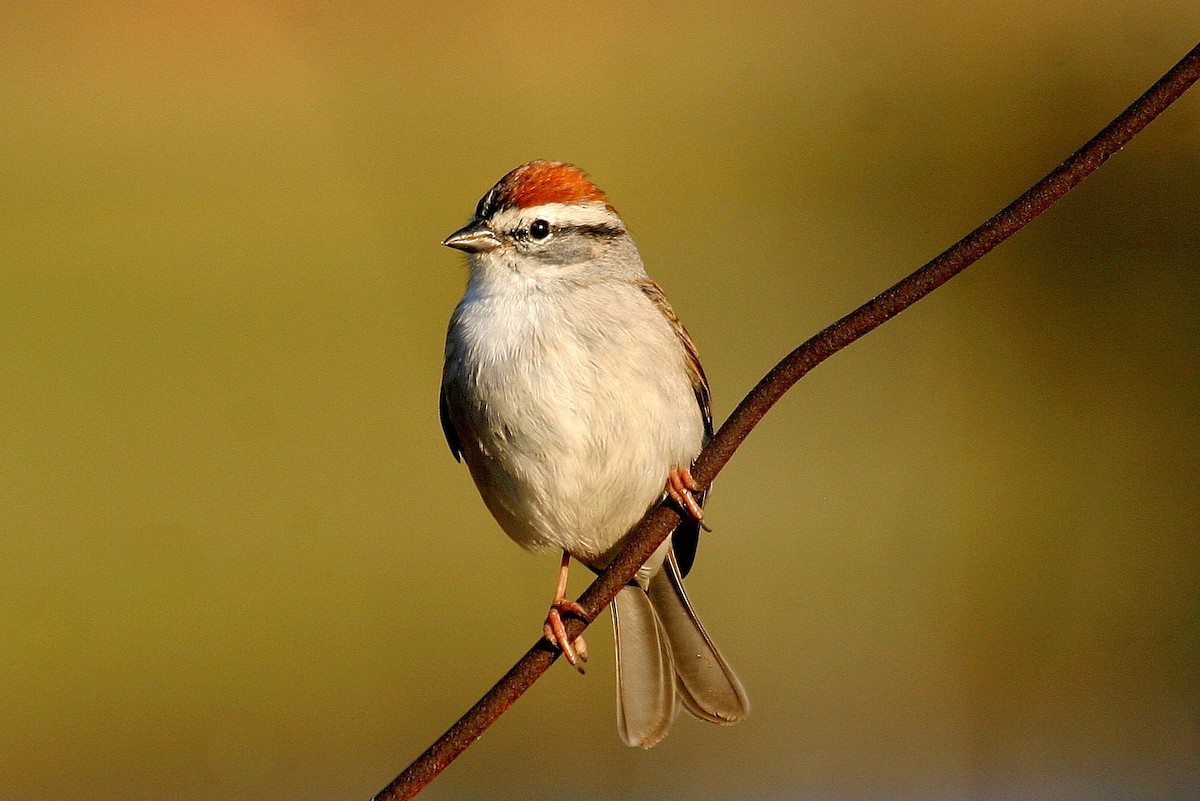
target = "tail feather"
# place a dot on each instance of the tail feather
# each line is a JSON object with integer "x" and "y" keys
{"x": 708, "y": 687}
{"x": 664, "y": 659}
{"x": 646, "y": 697}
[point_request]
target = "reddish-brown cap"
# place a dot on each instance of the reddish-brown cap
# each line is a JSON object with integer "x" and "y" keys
{"x": 537, "y": 183}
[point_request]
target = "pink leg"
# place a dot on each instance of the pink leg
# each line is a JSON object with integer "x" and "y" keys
{"x": 681, "y": 488}
{"x": 555, "y": 631}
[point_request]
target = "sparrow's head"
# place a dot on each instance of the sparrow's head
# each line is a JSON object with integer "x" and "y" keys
{"x": 546, "y": 214}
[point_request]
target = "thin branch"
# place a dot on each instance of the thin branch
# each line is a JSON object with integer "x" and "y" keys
{"x": 658, "y": 523}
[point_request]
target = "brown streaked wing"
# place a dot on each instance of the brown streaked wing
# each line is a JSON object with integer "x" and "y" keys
{"x": 691, "y": 358}
{"x": 686, "y": 537}
{"x": 448, "y": 427}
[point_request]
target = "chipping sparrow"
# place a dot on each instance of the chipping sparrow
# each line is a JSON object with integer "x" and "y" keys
{"x": 576, "y": 396}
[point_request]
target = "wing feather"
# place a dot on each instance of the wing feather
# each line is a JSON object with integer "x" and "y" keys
{"x": 691, "y": 357}
{"x": 686, "y": 537}
{"x": 448, "y": 427}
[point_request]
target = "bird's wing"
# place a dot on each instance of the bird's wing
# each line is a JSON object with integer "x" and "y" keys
{"x": 448, "y": 427}
{"x": 691, "y": 357}
{"x": 686, "y": 537}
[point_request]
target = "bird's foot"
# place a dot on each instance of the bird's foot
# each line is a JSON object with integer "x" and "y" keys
{"x": 682, "y": 489}
{"x": 555, "y": 631}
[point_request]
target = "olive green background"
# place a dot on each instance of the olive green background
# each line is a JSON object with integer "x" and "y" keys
{"x": 958, "y": 561}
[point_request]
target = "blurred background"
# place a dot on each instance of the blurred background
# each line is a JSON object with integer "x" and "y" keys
{"x": 237, "y": 561}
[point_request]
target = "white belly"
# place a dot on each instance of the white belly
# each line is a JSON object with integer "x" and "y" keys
{"x": 570, "y": 431}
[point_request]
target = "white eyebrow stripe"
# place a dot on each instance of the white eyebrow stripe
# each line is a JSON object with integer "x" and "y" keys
{"x": 562, "y": 215}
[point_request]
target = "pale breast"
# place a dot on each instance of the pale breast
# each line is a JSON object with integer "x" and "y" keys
{"x": 577, "y": 405}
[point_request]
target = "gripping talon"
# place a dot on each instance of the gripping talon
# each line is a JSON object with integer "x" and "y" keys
{"x": 681, "y": 488}
{"x": 555, "y": 632}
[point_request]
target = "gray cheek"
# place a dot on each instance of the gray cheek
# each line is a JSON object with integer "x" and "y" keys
{"x": 568, "y": 250}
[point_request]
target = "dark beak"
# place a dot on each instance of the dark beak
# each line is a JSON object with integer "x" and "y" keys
{"x": 475, "y": 237}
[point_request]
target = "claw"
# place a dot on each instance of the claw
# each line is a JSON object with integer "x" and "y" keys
{"x": 681, "y": 488}
{"x": 555, "y": 631}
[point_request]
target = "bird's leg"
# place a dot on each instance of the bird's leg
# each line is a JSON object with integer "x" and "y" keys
{"x": 555, "y": 631}
{"x": 681, "y": 488}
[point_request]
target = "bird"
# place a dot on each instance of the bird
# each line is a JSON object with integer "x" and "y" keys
{"x": 578, "y": 401}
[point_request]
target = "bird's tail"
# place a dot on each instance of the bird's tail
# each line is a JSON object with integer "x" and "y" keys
{"x": 665, "y": 658}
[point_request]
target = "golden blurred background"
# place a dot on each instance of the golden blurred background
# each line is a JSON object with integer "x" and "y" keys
{"x": 237, "y": 561}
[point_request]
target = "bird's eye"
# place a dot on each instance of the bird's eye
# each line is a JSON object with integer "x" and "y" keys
{"x": 539, "y": 229}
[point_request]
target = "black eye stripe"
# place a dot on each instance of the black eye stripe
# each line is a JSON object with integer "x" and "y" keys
{"x": 597, "y": 230}
{"x": 600, "y": 230}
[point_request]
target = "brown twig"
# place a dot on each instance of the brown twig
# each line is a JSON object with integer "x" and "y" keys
{"x": 645, "y": 538}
